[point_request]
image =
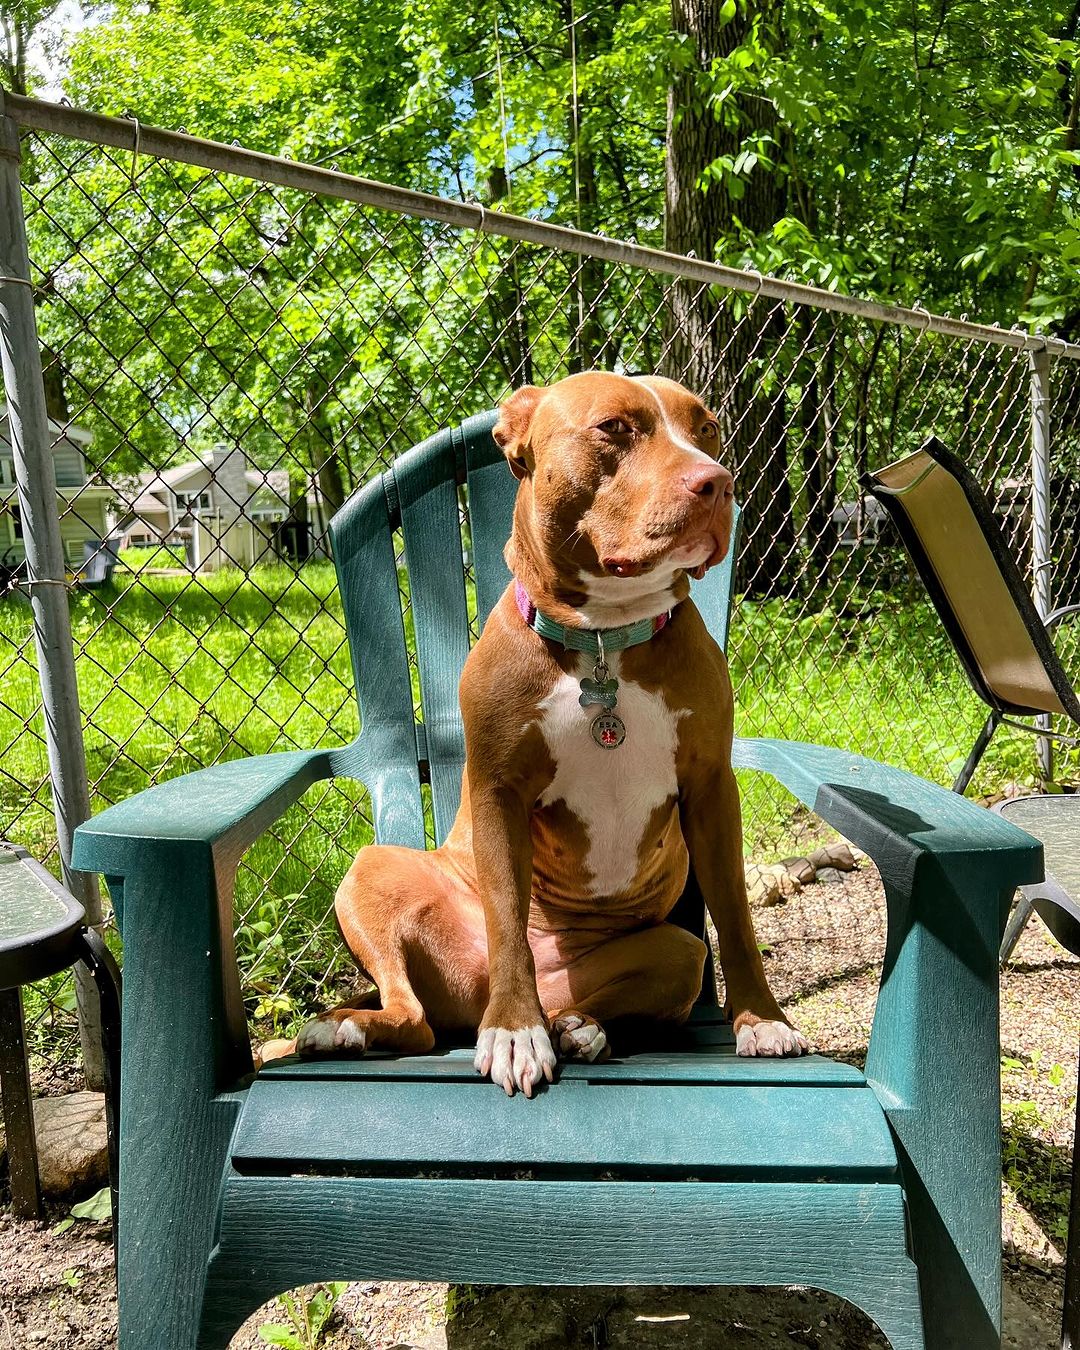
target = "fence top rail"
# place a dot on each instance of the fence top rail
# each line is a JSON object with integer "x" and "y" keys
{"x": 128, "y": 133}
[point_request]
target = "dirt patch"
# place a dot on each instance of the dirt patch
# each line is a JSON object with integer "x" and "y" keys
{"x": 823, "y": 954}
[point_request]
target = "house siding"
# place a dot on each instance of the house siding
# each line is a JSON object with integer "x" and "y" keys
{"x": 75, "y": 530}
{"x": 68, "y": 465}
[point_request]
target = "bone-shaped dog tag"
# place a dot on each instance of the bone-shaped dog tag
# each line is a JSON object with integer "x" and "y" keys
{"x": 604, "y": 692}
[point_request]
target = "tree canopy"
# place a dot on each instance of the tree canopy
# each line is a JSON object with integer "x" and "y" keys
{"x": 903, "y": 150}
{"x": 917, "y": 149}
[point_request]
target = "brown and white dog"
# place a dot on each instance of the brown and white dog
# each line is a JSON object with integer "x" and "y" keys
{"x": 542, "y": 916}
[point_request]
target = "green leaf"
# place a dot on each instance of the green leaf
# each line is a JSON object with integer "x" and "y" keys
{"x": 321, "y": 1307}
{"x": 727, "y": 11}
{"x": 98, "y": 1207}
{"x": 63, "y": 1226}
{"x": 273, "y": 1333}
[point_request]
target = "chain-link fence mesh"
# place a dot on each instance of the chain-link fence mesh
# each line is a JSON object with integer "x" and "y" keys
{"x": 225, "y": 361}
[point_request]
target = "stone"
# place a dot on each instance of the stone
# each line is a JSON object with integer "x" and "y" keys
{"x": 73, "y": 1143}
{"x": 788, "y": 882}
{"x": 762, "y": 888}
{"x": 769, "y": 883}
{"x": 839, "y": 856}
{"x": 802, "y": 869}
{"x": 829, "y": 875}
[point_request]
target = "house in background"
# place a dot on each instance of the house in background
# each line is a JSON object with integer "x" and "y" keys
{"x": 223, "y": 511}
{"x": 83, "y": 503}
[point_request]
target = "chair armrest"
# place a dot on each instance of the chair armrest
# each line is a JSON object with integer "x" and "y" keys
{"x": 895, "y": 816}
{"x": 226, "y": 807}
{"x": 169, "y": 855}
{"x": 949, "y": 872}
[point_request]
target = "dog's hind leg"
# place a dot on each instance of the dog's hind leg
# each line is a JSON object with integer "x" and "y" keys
{"x": 407, "y": 922}
{"x": 399, "y": 1024}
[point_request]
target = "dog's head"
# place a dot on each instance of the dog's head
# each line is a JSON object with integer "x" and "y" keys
{"x": 621, "y": 490}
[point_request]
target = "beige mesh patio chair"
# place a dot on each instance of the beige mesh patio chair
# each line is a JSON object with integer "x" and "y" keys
{"x": 959, "y": 551}
{"x": 956, "y": 544}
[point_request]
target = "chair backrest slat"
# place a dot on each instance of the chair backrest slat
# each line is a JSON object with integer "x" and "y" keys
{"x": 426, "y": 480}
{"x": 957, "y": 545}
{"x": 712, "y": 594}
{"x": 385, "y": 755}
{"x": 492, "y": 490}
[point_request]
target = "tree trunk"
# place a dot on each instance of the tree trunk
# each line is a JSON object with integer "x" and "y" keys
{"x": 586, "y": 343}
{"x": 707, "y": 347}
{"x": 325, "y": 460}
{"x": 818, "y": 450}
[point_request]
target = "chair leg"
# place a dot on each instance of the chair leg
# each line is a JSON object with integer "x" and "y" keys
{"x": 1070, "y": 1317}
{"x": 983, "y": 739}
{"x": 896, "y": 1308}
{"x": 894, "y": 1305}
{"x": 227, "y": 1304}
{"x": 1017, "y": 923}
{"x": 18, "y": 1108}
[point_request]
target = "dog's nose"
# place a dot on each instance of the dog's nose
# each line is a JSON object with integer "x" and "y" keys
{"x": 709, "y": 480}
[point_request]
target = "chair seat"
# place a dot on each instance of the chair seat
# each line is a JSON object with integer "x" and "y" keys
{"x": 647, "y": 1169}
{"x": 699, "y": 1111}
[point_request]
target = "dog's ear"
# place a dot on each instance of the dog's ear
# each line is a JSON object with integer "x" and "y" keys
{"x": 511, "y": 431}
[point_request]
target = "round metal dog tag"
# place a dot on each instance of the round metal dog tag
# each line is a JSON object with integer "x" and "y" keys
{"x": 608, "y": 730}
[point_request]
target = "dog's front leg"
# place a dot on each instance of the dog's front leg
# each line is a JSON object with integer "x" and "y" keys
{"x": 712, "y": 828}
{"x": 513, "y": 1045}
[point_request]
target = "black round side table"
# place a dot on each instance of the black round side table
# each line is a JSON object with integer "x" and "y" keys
{"x": 43, "y": 930}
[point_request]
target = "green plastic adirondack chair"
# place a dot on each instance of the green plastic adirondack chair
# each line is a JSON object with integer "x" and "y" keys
{"x": 694, "y": 1167}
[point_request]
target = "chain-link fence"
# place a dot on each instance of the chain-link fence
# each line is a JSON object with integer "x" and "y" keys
{"x": 232, "y": 344}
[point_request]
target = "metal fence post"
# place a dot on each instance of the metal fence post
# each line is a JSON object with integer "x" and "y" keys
{"x": 35, "y": 480}
{"x": 1041, "y": 559}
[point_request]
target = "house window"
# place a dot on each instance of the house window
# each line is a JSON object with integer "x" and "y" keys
{"x": 16, "y": 520}
{"x": 192, "y": 501}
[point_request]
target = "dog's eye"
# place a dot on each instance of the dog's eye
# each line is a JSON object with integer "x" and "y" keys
{"x": 708, "y": 431}
{"x": 614, "y": 426}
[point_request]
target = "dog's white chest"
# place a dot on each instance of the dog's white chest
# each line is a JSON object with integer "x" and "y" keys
{"x": 613, "y": 792}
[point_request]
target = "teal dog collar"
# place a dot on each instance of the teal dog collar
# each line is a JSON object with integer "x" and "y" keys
{"x": 608, "y": 729}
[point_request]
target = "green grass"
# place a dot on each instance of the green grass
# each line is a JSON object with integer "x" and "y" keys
{"x": 158, "y": 557}
{"x": 875, "y": 674}
{"x": 178, "y": 672}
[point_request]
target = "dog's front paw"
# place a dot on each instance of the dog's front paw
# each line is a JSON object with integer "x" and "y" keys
{"x": 770, "y": 1038}
{"x": 581, "y": 1037}
{"x": 332, "y": 1034}
{"x": 515, "y": 1059}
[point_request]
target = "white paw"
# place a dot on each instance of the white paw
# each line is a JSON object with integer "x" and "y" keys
{"x": 316, "y": 1038}
{"x": 515, "y": 1059}
{"x": 575, "y": 1038}
{"x": 327, "y": 1034}
{"x": 771, "y": 1038}
{"x": 350, "y": 1035}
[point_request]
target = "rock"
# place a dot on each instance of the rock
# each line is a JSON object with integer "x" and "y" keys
{"x": 829, "y": 875}
{"x": 73, "y": 1144}
{"x": 788, "y": 882}
{"x": 837, "y": 856}
{"x": 802, "y": 869}
{"x": 762, "y": 887}
{"x": 769, "y": 883}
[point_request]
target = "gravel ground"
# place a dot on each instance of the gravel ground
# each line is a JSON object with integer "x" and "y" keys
{"x": 823, "y": 950}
